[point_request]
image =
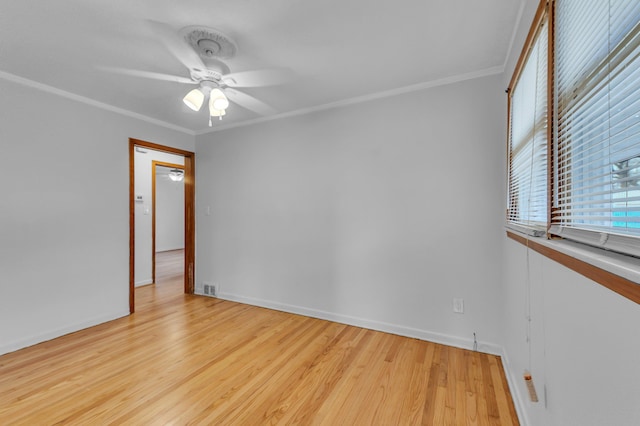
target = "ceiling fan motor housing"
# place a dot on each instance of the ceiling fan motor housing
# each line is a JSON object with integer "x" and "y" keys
{"x": 211, "y": 45}
{"x": 212, "y": 74}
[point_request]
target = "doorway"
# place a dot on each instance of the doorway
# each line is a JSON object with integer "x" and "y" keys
{"x": 167, "y": 209}
{"x": 189, "y": 214}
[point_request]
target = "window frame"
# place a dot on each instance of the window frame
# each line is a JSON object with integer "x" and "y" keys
{"x": 605, "y": 238}
{"x": 591, "y": 269}
{"x": 544, "y": 12}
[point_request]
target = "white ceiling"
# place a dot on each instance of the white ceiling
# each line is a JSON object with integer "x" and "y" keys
{"x": 337, "y": 50}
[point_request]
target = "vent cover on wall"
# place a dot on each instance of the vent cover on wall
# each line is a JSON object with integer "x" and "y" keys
{"x": 209, "y": 290}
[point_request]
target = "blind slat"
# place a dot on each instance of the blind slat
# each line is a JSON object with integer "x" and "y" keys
{"x": 597, "y": 147}
{"x": 527, "y": 200}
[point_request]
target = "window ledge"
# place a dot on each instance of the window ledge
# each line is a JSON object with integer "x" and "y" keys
{"x": 615, "y": 271}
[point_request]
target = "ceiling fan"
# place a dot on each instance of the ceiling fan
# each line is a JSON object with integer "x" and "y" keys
{"x": 201, "y": 50}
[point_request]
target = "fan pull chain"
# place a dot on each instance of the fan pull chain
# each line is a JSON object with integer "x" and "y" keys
{"x": 209, "y": 121}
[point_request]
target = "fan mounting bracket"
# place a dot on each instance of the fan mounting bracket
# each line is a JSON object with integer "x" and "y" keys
{"x": 209, "y": 43}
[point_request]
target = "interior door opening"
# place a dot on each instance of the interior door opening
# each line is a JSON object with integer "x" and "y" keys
{"x": 167, "y": 211}
{"x": 143, "y": 202}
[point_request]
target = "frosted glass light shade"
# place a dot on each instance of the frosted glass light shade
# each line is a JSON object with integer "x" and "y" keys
{"x": 217, "y": 100}
{"x": 194, "y": 99}
{"x": 176, "y": 175}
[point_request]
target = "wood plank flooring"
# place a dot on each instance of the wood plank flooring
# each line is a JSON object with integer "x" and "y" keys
{"x": 184, "y": 359}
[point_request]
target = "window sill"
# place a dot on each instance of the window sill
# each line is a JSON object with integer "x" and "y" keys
{"x": 615, "y": 271}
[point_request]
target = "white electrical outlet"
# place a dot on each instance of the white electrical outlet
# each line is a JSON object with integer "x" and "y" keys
{"x": 458, "y": 305}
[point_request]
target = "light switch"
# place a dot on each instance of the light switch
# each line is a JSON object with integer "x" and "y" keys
{"x": 146, "y": 210}
{"x": 458, "y": 305}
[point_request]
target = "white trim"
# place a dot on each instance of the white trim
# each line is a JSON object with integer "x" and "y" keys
{"x": 604, "y": 239}
{"x": 82, "y": 99}
{"x": 400, "y": 330}
{"x": 52, "y": 334}
{"x": 359, "y": 99}
{"x": 618, "y": 264}
{"x": 514, "y": 34}
{"x": 531, "y": 230}
{"x": 143, "y": 282}
{"x": 444, "y": 339}
{"x": 303, "y": 111}
{"x": 516, "y": 394}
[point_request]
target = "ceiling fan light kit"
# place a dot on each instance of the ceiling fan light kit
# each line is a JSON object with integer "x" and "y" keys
{"x": 218, "y": 103}
{"x": 194, "y": 99}
{"x": 218, "y": 100}
{"x": 201, "y": 50}
{"x": 217, "y": 113}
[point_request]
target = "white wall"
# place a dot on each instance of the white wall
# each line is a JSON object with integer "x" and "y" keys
{"x": 143, "y": 211}
{"x": 375, "y": 214}
{"x": 584, "y": 338}
{"x": 584, "y": 343}
{"x": 169, "y": 214}
{"x": 64, "y": 221}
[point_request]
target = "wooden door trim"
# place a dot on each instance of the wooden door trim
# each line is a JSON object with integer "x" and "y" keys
{"x": 155, "y": 163}
{"x": 189, "y": 214}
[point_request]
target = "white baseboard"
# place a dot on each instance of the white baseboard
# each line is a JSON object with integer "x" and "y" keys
{"x": 513, "y": 379}
{"x": 400, "y": 330}
{"x": 143, "y": 282}
{"x": 431, "y": 336}
{"x": 52, "y": 334}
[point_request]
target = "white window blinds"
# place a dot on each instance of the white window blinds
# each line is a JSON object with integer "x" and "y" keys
{"x": 527, "y": 203}
{"x": 596, "y": 190}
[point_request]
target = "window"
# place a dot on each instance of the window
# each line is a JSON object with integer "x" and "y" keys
{"x": 596, "y": 161}
{"x": 527, "y": 202}
{"x": 574, "y": 155}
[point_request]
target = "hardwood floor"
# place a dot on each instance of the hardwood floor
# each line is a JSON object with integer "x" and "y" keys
{"x": 169, "y": 280}
{"x": 184, "y": 359}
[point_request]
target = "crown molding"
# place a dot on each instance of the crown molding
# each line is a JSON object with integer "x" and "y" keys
{"x": 360, "y": 99}
{"x": 303, "y": 111}
{"x": 514, "y": 34}
{"x": 88, "y": 101}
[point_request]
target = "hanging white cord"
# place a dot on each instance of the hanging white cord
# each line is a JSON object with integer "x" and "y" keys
{"x": 530, "y": 189}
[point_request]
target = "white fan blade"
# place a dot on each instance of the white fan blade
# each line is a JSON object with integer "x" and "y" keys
{"x": 149, "y": 74}
{"x": 177, "y": 46}
{"x": 257, "y": 78}
{"x": 249, "y": 102}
